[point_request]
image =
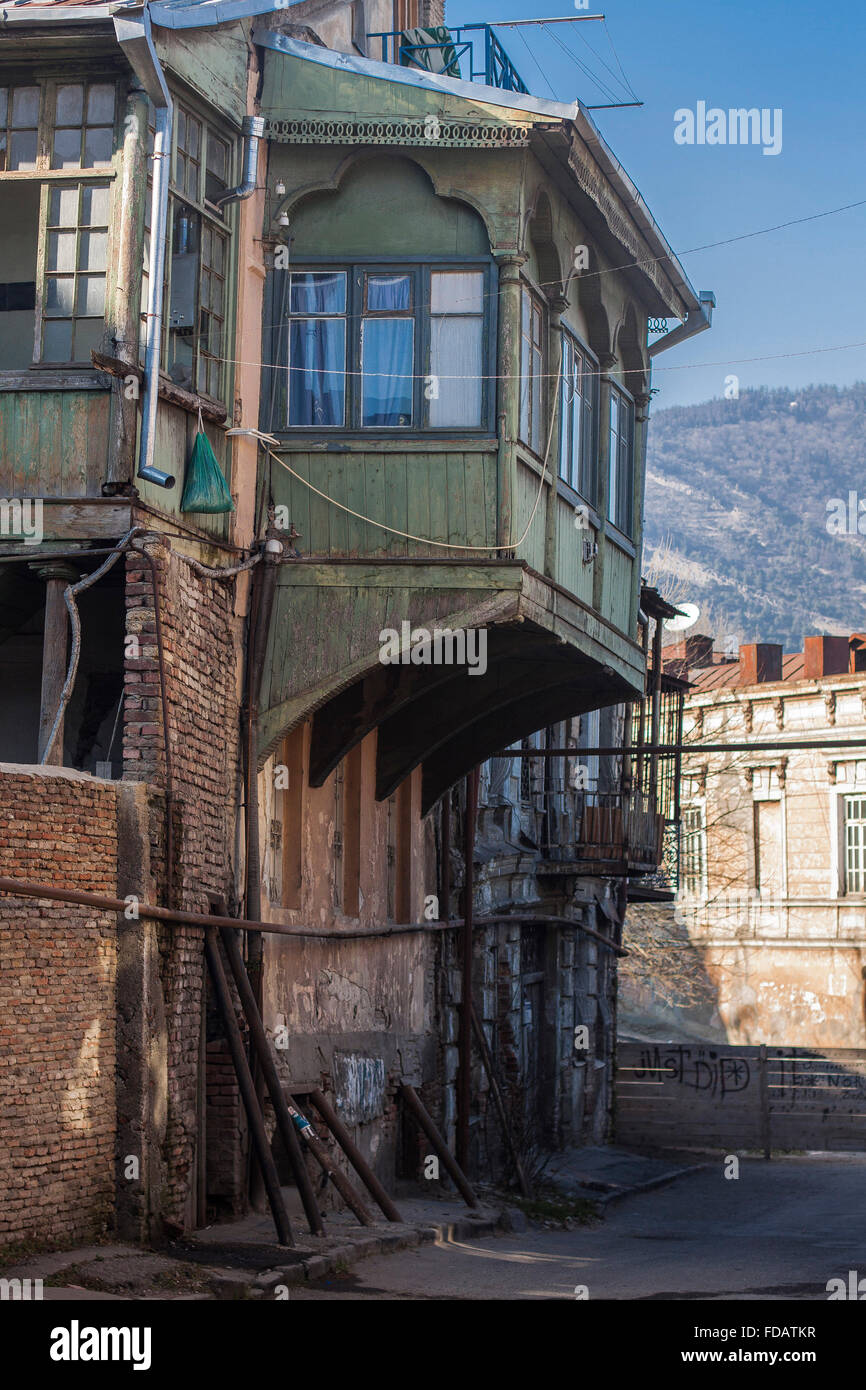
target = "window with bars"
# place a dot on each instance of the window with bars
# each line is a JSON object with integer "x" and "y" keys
{"x": 855, "y": 844}
{"x": 532, "y": 358}
{"x": 578, "y": 419}
{"x": 621, "y": 461}
{"x": 693, "y": 866}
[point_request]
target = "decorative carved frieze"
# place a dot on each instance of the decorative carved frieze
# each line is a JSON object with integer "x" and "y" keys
{"x": 432, "y": 131}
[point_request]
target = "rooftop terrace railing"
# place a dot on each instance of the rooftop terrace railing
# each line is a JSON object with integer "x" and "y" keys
{"x": 480, "y": 57}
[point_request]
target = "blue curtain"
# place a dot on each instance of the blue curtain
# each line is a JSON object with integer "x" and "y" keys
{"x": 387, "y": 352}
{"x": 317, "y": 360}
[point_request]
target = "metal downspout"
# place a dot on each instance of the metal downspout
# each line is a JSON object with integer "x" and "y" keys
{"x": 133, "y": 31}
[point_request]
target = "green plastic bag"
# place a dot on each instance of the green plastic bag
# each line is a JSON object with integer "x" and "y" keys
{"x": 204, "y": 487}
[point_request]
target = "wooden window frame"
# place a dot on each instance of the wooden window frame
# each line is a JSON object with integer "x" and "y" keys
{"x": 582, "y": 475}
{"x": 356, "y": 272}
{"x": 47, "y": 178}
{"x": 538, "y": 312}
{"x": 618, "y": 493}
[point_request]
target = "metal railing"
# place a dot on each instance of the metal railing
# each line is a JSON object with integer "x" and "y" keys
{"x": 612, "y": 828}
{"x": 487, "y": 60}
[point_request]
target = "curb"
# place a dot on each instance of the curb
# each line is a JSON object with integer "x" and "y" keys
{"x": 319, "y": 1266}
{"x": 607, "y": 1198}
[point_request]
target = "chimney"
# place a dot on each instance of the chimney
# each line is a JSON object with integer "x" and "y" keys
{"x": 760, "y": 663}
{"x": 699, "y": 650}
{"x": 825, "y": 656}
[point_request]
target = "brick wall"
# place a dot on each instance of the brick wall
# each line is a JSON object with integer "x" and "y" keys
{"x": 57, "y": 999}
{"x": 201, "y": 643}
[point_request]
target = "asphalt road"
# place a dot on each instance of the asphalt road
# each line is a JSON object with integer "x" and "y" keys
{"x": 779, "y": 1231}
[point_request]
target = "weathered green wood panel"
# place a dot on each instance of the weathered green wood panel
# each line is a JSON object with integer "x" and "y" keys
{"x": 617, "y": 586}
{"x": 532, "y": 549}
{"x": 175, "y": 435}
{"x": 53, "y": 443}
{"x": 442, "y": 496}
{"x": 569, "y": 569}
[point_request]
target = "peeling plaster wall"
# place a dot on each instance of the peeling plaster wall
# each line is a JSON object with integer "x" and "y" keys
{"x": 356, "y": 1017}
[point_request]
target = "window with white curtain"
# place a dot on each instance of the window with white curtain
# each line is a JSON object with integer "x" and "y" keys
{"x": 388, "y": 348}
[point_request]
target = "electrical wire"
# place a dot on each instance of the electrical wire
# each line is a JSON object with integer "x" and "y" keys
{"x": 426, "y": 540}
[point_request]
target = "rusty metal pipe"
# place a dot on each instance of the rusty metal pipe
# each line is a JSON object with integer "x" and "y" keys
{"x": 425, "y": 1122}
{"x": 288, "y": 1133}
{"x": 247, "y": 1089}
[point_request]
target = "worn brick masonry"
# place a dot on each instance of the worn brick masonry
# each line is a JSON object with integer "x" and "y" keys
{"x": 57, "y": 996}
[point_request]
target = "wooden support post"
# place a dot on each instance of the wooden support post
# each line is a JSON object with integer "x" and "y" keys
{"x": 350, "y": 1196}
{"x": 507, "y": 1135}
{"x": 413, "y": 1100}
{"x": 247, "y": 1089}
{"x": 764, "y": 1091}
{"x": 55, "y": 648}
{"x": 464, "y": 1071}
{"x": 259, "y": 1037}
{"x": 354, "y": 1155}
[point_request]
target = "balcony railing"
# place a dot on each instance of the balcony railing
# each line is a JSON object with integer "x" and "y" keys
{"x": 479, "y": 57}
{"x": 620, "y": 832}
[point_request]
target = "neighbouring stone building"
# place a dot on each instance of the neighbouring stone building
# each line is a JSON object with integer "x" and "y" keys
{"x": 772, "y": 886}
{"x": 273, "y": 385}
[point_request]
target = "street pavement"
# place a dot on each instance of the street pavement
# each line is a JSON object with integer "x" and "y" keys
{"x": 780, "y": 1230}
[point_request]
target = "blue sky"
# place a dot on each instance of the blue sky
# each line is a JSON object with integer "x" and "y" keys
{"x": 792, "y": 290}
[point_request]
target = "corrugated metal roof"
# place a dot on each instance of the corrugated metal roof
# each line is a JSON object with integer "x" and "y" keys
{"x": 726, "y": 676}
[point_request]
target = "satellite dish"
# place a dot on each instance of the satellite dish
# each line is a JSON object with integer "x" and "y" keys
{"x": 688, "y": 615}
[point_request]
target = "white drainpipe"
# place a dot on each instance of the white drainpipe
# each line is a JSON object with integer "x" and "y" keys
{"x": 134, "y": 36}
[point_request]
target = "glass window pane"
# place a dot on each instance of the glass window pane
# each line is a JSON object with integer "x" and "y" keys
{"x": 89, "y": 333}
{"x": 389, "y": 293}
{"x": 91, "y": 295}
{"x": 456, "y": 360}
{"x": 193, "y": 136}
{"x": 22, "y": 150}
{"x": 57, "y": 340}
{"x": 216, "y": 156}
{"x": 319, "y": 293}
{"x": 58, "y": 295}
{"x": 457, "y": 292}
{"x": 25, "y": 107}
{"x": 67, "y": 149}
{"x": 92, "y": 251}
{"x": 3, "y": 104}
{"x": 61, "y": 251}
{"x": 387, "y": 361}
{"x": 94, "y": 205}
{"x": 70, "y": 105}
{"x": 317, "y": 368}
{"x": 64, "y": 207}
{"x": 97, "y": 147}
{"x": 100, "y": 104}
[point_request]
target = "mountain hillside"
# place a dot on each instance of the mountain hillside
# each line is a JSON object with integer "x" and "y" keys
{"x": 737, "y": 507}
